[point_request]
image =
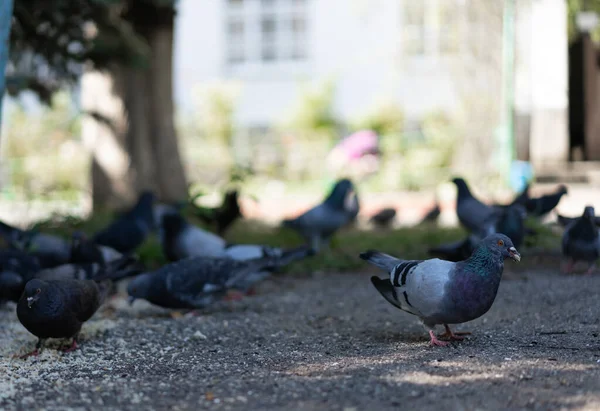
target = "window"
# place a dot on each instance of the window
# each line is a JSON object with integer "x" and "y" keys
{"x": 266, "y": 31}
{"x": 432, "y": 27}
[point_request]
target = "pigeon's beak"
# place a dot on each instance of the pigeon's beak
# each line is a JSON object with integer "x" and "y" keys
{"x": 30, "y": 301}
{"x": 130, "y": 299}
{"x": 514, "y": 254}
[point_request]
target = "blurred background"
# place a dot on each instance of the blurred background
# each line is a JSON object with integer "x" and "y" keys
{"x": 188, "y": 98}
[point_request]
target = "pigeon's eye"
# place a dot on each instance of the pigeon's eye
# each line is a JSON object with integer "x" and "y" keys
{"x": 500, "y": 243}
{"x": 38, "y": 291}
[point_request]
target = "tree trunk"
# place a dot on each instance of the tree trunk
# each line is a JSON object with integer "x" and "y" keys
{"x": 5, "y": 20}
{"x": 169, "y": 168}
{"x": 142, "y": 151}
{"x": 104, "y": 131}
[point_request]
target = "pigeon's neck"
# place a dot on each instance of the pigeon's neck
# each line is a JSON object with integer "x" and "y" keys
{"x": 484, "y": 265}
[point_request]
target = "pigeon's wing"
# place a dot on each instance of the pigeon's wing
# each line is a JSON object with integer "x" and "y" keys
{"x": 456, "y": 251}
{"x": 385, "y": 288}
{"x": 68, "y": 272}
{"x": 249, "y": 251}
{"x": 422, "y": 286}
{"x": 475, "y": 215}
{"x": 197, "y": 281}
{"x": 81, "y": 297}
{"x": 195, "y": 241}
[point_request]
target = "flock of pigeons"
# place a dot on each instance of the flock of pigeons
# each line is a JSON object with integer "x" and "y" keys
{"x": 59, "y": 284}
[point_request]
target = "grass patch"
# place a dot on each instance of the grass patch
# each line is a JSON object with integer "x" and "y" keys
{"x": 342, "y": 255}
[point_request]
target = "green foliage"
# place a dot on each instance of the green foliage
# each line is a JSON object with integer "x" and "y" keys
{"x": 576, "y": 6}
{"x": 313, "y": 115}
{"x": 41, "y": 150}
{"x": 214, "y": 110}
{"x": 386, "y": 119}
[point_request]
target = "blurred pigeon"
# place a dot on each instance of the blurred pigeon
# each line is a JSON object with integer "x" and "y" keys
{"x": 58, "y": 308}
{"x": 223, "y": 216}
{"x": 472, "y": 213}
{"x": 540, "y": 206}
{"x": 318, "y": 224}
{"x": 566, "y": 221}
{"x": 126, "y": 266}
{"x": 510, "y": 221}
{"x": 130, "y": 230}
{"x": 457, "y": 251}
{"x": 197, "y": 282}
{"x": 180, "y": 239}
{"x": 15, "y": 267}
{"x": 84, "y": 250}
{"x": 443, "y": 292}
{"x": 50, "y": 250}
{"x": 432, "y": 215}
{"x": 383, "y": 217}
{"x": 580, "y": 241}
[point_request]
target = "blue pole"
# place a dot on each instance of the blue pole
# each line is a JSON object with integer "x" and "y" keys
{"x": 6, "y": 10}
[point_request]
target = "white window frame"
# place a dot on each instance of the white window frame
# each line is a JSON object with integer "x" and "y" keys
{"x": 251, "y": 13}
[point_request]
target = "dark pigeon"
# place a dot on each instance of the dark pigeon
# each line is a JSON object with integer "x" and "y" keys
{"x": 86, "y": 251}
{"x": 443, "y": 292}
{"x": 474, "y": 215}
{"x": 565, "y": 221}
{"x": 50, "y": 250}
{"x": 318, "y": 224}
{"x": 221, "y": 218}
{"x": 580, "y": 241}
{"x": 116, "y": 270}
{"x": 197, "y": 282}
{"x": 58, "y": 308}
{"x": 540, "y": 206}
{"x": 432, "y": 215}
{"x": 15, "y": 267}
{"x": 130, "y": 230}
{"x": 383, "y": 218}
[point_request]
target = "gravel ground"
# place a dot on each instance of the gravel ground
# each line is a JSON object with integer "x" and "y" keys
{"x": 328, "y": 342}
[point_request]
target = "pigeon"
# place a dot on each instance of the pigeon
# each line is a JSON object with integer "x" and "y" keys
{"x": 540, "y": 206}
{"x": 384, "y": 217}
{"x": 130, "y": 230}
{"x": 84, "y": 250}
{"x": 580, "y": 241}
{"x": 50, "y": 250}
{"x": 225, "y": 215}
{"x": 15, "y": 267}
{"x": 456, "y": 251}
{"x": 11, "y": 289}
{"x": 565, "y": 221}
{"x": 318, "y": 224}
{"x": 58, "y": 308}
{"x": 443, "y": 292}
{"x": 197, "y": 282}
{"x": 180, "y": 239}
{"x": 432, "y": 215}
{"x": 472, "y": 213}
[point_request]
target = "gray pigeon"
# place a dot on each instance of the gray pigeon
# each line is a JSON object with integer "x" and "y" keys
{"x": 58, "y": 308}
{"x": 474, "y": 215}
{"x": 580, "y": 241}
{"x": 318, "y": 224}
{"x": 197, "y": 282}
{"x": 443, "y": 292}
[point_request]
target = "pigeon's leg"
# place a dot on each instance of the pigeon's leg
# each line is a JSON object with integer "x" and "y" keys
{"x": 72, "y": 347}
{"x": 453, "y": 336}
{"x": 234, "y": 295}
{"x": 36, "y": 352}
{"x": 569, "y": 267}
{"x": 435, "y": 342}
{"x": 591, "y": 269}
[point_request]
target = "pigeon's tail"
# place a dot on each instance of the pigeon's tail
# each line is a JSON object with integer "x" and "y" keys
{"x": 381, "y": 260}
{"x": 295, "y": 254}
{"x": 126, "y": 266}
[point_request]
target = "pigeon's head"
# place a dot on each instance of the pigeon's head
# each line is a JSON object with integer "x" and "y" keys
{"x": 139, "y": 287}
{"x": 461, "y": 185}
{"x": 589, "y": 213}
{"x": 34, "y": 289}
{"x": 343, "y": 196}
{"x": 562, "y": 189}
{"x": 501, "y": 245}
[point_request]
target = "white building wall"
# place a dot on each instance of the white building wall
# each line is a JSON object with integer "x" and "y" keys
{"x": 355, "y": 42}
